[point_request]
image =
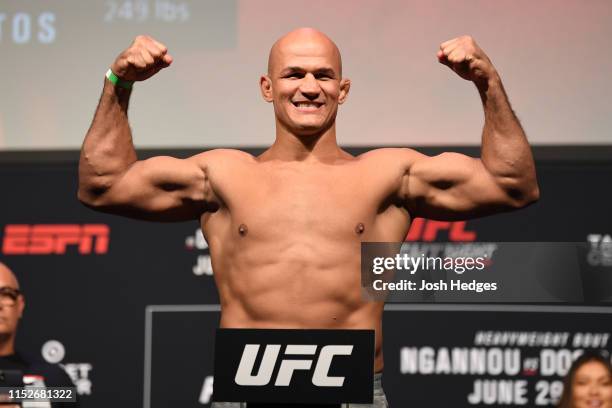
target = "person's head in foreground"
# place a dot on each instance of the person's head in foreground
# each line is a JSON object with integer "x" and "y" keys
{"x": 304, "y": 82}
{"x": 11, "y": 309}
{"x": 588, "y": 383}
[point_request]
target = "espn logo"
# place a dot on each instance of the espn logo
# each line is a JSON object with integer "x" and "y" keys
{"x": 320, "y": 377}
{"x": 46, "y": 239}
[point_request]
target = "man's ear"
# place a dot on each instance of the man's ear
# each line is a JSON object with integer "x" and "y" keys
{"x": 345, "y": 86}
{"x": 265, "y": 85}
{"x": 20, "y": 305}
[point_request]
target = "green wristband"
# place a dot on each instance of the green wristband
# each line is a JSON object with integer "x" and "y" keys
{"x": 115, "y": 80}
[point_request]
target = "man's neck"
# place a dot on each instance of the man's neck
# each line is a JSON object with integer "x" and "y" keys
{"x": 7, "y": 344}
{"x": 288, "y": 146}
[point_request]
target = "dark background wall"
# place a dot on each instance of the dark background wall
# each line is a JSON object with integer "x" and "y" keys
{"x": 136, "y": 322}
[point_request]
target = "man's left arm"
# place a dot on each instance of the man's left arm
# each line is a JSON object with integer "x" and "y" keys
{"x": 454, "y": 186}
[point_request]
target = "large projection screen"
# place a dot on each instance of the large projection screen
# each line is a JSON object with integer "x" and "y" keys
{"x": 554, "y": 58}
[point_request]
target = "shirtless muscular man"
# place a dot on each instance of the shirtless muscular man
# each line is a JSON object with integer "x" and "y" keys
{"x": 285, "y": 227}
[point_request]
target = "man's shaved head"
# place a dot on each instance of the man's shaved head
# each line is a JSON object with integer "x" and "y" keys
{"x": 7, "y": 277}
{"x": 302, "y": 40}
{"x": 305, "y": 84}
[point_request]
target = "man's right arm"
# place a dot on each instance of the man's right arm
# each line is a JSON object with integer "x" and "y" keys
{"x": 112, "y": 179}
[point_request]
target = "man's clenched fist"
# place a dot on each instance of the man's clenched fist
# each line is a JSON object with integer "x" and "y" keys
{"x": 467, "y": 59}
{"x": 143, "y": 59}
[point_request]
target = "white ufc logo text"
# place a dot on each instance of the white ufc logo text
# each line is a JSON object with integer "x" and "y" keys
{"x": 320, "y": 375}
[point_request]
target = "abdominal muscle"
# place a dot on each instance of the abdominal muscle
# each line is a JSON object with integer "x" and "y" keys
{"x": 311, "y": 287}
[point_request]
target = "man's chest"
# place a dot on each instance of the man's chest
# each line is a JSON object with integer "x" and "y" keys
{"x": 336, "y": 202}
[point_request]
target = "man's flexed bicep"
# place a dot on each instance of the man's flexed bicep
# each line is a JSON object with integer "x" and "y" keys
{"x": 111, "y": 178}
{"x": 453, "y": 186}
{"x": 160, "y": 189}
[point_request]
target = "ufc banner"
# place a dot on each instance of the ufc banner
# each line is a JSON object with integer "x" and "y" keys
{"x": 480, "y": 355}
{"x": 294, "y": 366}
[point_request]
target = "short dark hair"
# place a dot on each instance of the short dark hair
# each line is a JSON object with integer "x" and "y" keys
{"x": 567, "y": 397}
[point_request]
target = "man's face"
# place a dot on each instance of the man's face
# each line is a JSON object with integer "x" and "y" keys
{"x": 11, "y": 302}
{"x": 304, "y": 83}
{"x": 592, "y": 386}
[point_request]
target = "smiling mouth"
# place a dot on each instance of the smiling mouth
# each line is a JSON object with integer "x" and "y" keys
{"x": 307, "y": 106}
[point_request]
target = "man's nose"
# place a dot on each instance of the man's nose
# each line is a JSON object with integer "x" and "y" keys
{"x": 310, "y": 86}
{"x": 594, "y": 390}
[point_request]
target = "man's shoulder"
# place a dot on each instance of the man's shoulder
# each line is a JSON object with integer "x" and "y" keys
{"x": 53, "y": 374}
{"x": 222, "y": 156}
{"x": 226, "y": 154}
{"x": 390, "y": 157}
